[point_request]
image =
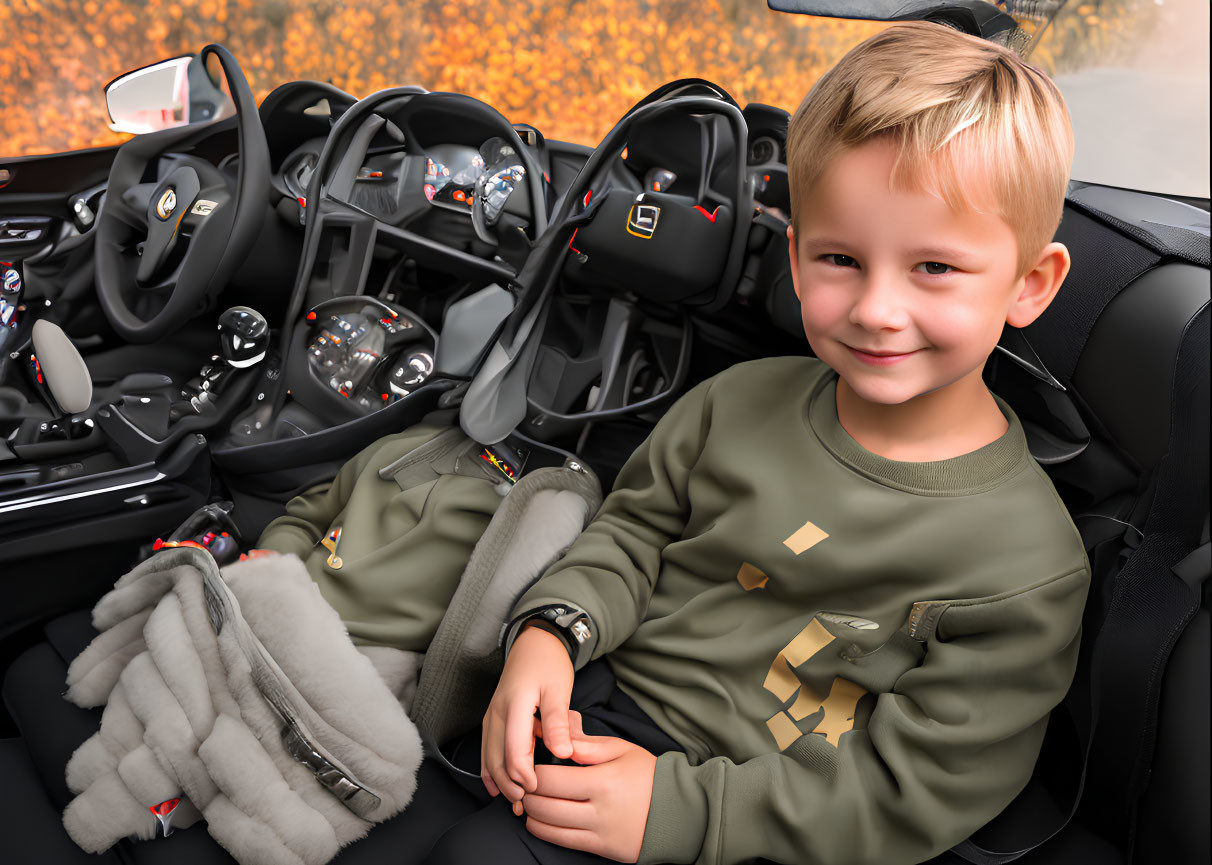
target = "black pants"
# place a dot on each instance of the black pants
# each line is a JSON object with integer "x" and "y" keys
{"x": 480, "y": 828}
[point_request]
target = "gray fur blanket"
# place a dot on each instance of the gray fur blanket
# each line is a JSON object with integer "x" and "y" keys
{"x": 240, "y": 694}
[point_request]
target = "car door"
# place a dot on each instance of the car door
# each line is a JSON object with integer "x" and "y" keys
{"x": 48, "y": 208}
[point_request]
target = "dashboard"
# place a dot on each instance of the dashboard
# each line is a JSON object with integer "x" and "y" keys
{"x": 422, "y": 201}
{"x": 369, "y": 351}
{"x": 766, "y": 156}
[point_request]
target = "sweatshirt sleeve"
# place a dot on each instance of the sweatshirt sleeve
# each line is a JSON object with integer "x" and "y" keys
{"x": 945, "y": 750}
{"x": 610, "y": 570}
{"x": 309, "y": 514}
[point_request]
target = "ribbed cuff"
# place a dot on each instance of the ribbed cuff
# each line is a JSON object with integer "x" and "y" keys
{"x": 677, "y": 817}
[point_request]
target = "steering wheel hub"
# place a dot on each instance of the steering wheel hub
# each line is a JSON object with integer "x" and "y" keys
{"x": 170, "y": 202}
{"x": 167, "y": 203}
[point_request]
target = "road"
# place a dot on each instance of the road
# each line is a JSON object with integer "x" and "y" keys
{"x": 1144, "y": 124}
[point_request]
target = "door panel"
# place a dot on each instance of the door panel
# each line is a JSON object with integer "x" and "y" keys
{"x": 43, "y": 185}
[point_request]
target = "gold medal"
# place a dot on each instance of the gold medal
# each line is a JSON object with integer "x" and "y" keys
{"x": 330, "y": 544}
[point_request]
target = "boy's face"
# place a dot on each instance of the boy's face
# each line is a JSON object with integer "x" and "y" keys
{"x": 902, "y": 275}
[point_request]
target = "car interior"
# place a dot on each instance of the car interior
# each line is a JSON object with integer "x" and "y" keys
{"x": 346, "y": 267}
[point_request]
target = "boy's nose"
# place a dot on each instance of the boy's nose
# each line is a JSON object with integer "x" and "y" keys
{"x": 879, "y": 305}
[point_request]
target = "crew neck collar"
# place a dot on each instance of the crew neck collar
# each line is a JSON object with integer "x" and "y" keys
{"x": 965, "y": 474}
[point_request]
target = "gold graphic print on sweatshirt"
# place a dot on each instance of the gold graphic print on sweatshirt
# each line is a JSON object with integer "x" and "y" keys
{"x": 840, "y": 703}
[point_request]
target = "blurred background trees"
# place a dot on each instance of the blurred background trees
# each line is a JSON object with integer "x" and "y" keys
{"x": 570, "y": 67}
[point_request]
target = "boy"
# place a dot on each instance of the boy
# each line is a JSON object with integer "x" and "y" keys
{"x": 838, "y": 595}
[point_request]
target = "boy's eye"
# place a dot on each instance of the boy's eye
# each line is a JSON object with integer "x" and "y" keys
{"x": 935, "y": 268}
{"x": 839, "y": 260}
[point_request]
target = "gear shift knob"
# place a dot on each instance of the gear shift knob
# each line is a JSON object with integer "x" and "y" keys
{"x": 243, "y": 336}
{"x": 64, "y": 370}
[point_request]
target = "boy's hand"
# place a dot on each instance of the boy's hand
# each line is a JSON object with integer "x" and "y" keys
{"x": 538, "y": 675}
{"x": 600, "y": 806}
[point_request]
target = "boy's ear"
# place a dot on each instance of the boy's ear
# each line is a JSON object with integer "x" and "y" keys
{"x": 794, "y": 255}
{"x": 1039, "y": 285}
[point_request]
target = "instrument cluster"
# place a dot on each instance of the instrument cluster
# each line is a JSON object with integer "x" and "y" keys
{"x": 368, "y": 351}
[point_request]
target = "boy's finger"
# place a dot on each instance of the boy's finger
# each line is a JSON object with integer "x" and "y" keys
{"x": 565, "y": 782}
{"x": 485, "y": 775}
{"x": 555, "y": 727}
{"x": 519, "y": 746}
{"x": 492, "y": 761}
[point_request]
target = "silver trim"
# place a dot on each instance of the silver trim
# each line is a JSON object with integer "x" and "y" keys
{"x": 1036, "y": 368}
{"x": 37, "y": 500}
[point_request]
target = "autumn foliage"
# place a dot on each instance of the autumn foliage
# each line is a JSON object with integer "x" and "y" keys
{"x": 570, "y": 67}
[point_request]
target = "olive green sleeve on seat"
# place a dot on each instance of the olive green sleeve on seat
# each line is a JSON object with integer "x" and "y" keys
{"x": 610, "y": 570}
{"x": 943, "y": 753}
{"x": 309, "y": 514}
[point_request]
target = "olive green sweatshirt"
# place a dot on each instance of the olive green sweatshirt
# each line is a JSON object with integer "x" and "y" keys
{"x": 859, "y": 655}
{"x": 387, "y": 540}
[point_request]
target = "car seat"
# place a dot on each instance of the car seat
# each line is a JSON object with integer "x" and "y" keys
{"x": 1111, "y": 383}
{"x": 1126, "y": 443}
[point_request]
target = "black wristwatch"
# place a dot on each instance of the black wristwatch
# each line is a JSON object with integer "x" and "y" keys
{"x": 571, "y": 624}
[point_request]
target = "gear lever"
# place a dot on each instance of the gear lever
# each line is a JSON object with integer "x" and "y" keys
{"x": 243, "y": 341}
{"x": 243, "y": 336}
{"x": 69, "y": 386}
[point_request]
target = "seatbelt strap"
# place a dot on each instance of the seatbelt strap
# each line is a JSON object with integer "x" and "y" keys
{"x": 1146, "y": 615}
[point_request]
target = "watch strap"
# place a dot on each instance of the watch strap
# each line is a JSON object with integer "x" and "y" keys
{"x": 571, "y": 624}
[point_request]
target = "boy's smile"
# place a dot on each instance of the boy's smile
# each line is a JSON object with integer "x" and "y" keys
{"x": 906, "y": 297}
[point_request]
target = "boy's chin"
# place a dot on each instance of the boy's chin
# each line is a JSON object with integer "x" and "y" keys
{"x": 888, "y": 394}
{"x": 886, "y": 387}
{"x": 890, "y": 391}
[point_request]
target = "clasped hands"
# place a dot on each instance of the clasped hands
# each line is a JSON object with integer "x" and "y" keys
{"x": 601, "y": 805}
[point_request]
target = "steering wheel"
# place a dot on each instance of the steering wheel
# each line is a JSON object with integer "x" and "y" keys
{"x": 506, "y": 164}
{"x": 162, "y": 245}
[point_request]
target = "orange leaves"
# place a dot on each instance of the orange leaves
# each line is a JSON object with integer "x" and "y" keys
{"x": 571, "y": 68}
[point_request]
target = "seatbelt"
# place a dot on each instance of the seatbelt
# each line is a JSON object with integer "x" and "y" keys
{"x": 1145, "y": 618}
{"x": 1196, "y": 567}
{"x": 535, "y": 523}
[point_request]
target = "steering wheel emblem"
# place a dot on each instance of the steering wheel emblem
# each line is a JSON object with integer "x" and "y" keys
{"x": 642, "y": 220}
{"x": 167, "y": 203}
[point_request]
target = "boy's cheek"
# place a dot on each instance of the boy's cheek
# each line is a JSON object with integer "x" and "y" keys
{"x": 821, "y": 309}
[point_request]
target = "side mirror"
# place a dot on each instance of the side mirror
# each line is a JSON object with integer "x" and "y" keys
{"x": 175, "y": 92}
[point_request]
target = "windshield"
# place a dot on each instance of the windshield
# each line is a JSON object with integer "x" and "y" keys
{"x": 1135, "y": 72}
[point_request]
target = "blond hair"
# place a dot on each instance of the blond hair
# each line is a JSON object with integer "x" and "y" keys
{"x": 971, "y": 119}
